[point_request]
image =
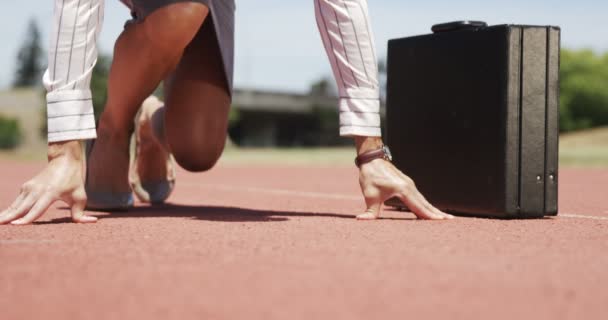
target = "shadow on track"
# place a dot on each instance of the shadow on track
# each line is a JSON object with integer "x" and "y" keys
{"x": 208, "y": 213}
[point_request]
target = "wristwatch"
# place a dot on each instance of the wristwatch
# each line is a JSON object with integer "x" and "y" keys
{"x": 383, "y": 153}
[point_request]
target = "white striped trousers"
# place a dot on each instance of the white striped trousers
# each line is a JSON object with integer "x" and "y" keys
{"x": 72, "y": 53}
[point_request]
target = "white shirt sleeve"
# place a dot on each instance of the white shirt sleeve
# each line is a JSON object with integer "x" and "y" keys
{"x": 348, "y": 40}
{"x": 72, "y": 56}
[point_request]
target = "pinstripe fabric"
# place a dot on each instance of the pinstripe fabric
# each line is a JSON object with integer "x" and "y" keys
{"x": 72, "y": 55}
{"x": 344, "y": 28}
{"x": 348, "y": 40}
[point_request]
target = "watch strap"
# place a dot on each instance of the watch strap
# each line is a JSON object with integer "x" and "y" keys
{"x": 370, "y": 156}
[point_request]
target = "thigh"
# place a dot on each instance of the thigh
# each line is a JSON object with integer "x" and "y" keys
{"x": 197, "y": 98}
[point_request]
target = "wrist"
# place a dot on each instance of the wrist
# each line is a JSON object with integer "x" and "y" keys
{"x": 70, "y": 149}
{"x": 366, "y": 144}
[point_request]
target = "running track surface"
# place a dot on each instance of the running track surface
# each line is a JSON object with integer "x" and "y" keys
{"x": 281, "y": 243}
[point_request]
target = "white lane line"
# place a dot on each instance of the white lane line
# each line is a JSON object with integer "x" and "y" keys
{"x": 26, "y": 241}
{"x": 578, "y": 216}
{"x": 332, "y": 196}
{"x": 283, "y": 192}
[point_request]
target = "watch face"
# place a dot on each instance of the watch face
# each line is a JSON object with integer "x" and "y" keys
{"x": 387, "y": 153}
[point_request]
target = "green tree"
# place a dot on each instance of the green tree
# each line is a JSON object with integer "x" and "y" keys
{"x": 584, "y": 90}
{"x": 29, "y": 59}
{"x": 10, "y": 133}
{"x": 99, "y": 83}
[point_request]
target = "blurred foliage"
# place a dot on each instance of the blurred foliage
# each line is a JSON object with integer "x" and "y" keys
{"x": 323, "y": 87}
{"x": 584, "y": 90}
{"x": 29, "y": 59}
{"x": 10, "y": 133}
{"x": 99, "y": 83}
{"x": 234, "y": 116}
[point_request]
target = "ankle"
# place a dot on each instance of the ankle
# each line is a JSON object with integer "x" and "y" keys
{"x": 157, "y": 123}
{"x": 112, "y": 135}
{"x": 112, "y": 131}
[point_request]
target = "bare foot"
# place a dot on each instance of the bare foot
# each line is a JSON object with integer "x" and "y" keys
{"x": 152, "y": 174}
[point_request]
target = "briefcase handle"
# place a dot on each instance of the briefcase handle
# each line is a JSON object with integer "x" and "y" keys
{"x": 458, "y": 26}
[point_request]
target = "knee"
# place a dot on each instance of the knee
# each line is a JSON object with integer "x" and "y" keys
{"x": 198, "y": 161}
{"x": 175, "y": 25}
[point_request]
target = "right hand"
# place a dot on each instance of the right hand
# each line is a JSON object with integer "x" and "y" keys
{"x": 380, "y": 180}
{"x": 61, "y": 180}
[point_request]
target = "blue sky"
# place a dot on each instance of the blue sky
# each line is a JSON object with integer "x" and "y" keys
{"x": 278, "y": 47}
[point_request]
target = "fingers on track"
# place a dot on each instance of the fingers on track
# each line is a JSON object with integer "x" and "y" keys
{"x": 421, "y": 207}
{"x": 36, "y": 211}
{"x": 20, "y": 208}
{"x": 29, "y": 206}
{"x": 78, "y": 205}
{"x": 374, "y": 209}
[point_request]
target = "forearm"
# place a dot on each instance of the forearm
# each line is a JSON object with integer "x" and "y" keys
{"x": 72, "y": 56}
{"x": 365, "y": 144}
{"x": 348, "y": 39}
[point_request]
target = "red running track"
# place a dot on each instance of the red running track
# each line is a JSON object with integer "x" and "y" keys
{"x": 281, "y": 243}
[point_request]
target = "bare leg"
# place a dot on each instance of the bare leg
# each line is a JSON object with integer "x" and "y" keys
{"x": 198, "y": 103}
{"x": 144, "y": 54}
{"x": 193, "y": 125}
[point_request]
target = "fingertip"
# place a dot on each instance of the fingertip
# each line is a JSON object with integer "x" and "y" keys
{"x": 85, "y": 219}
{"x": 18, "y": 222}
{"x": 446, "y": 215}
{"x": 366, "y": 217}
{"x": 436, "y": 216}
{"x": 432, "y": 215}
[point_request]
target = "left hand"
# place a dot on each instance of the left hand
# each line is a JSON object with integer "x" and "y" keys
{"x": 61, "y": 180}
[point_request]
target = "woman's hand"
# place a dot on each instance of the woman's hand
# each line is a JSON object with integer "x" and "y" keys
{"x": 380, "y": 180}
{"x": 62, "y": 179}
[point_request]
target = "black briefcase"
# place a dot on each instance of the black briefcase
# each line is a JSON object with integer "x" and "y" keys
{"x": 472, "y": 117}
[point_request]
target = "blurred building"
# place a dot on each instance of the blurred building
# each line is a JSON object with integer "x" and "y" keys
{"x": 270, "y": 118}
